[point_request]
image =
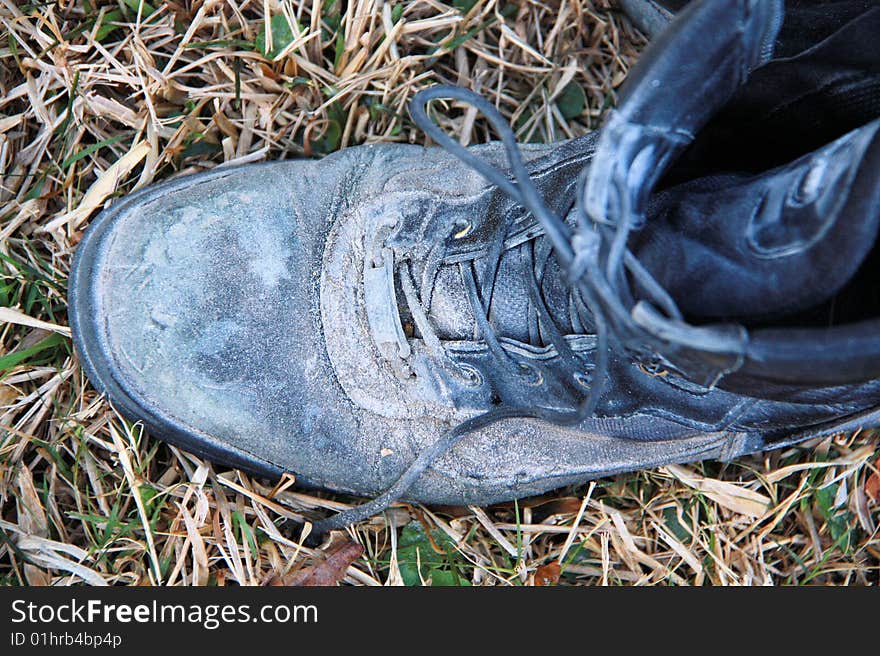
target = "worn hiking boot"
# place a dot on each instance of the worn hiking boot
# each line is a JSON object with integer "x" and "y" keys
{"x": 476, "y": 325}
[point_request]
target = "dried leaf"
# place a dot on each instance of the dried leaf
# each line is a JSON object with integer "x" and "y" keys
{"x": 730, "y": 495}
{"x": 9, "y": 122}
{"x": 31, "y": 515}
{"x": 36, "y": 577}
{"x": 561, "y": 506}
{"x": 548, "y": 574}
{"x": 327, "y": 573}
{"x": 872, "y": 484}
{"x": 11, "y": 315}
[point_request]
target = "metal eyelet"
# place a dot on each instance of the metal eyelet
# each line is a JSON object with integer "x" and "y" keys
{"x": 653, "y": 367}
{"x": 461, "y": 228}
{"x": 584, "y": 380}
{"x": 531, "y": 375}
{"x": 471, "y": 376}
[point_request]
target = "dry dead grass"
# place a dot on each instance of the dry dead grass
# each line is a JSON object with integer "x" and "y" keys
{"x": 100, "y": 98}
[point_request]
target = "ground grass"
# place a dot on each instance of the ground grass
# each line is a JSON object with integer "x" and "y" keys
{"x": 99, "y": 98}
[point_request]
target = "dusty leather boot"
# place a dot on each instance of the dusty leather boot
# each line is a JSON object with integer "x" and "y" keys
{"x": 475, "y": 325}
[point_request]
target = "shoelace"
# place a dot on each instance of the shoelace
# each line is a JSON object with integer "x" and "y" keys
{"x": 534, "y": 258}
{"x": 597, "y": 260}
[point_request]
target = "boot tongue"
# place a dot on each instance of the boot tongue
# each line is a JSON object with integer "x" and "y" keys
{"x": 754, "y": 248}
{"x": 509, "y": 309}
